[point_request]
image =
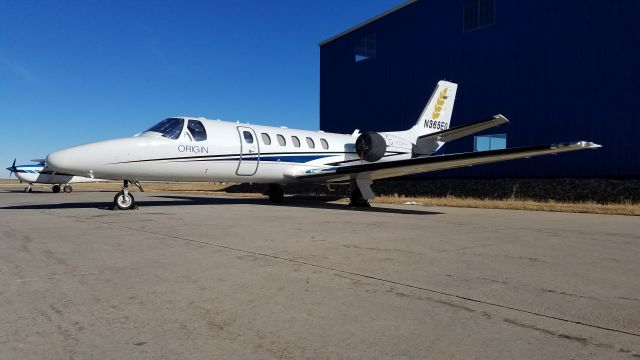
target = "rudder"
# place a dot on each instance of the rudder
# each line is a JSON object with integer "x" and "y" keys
{"x": 436, "y": 115}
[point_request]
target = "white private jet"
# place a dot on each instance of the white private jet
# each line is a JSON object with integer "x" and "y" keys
{"x": 40, "y": 173}
{"x": 198, "y": 149}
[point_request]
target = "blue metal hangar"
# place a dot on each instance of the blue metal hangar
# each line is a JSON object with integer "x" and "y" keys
{"x": 558, "y": 70}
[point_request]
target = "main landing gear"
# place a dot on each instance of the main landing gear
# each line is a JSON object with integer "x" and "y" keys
{"x": 28, "y": 189}
{"x": 275, "y": 193}
{"x": 66, "y": 188}
{"x": 361, "y": 192}
{"x": 357, "y": 200}
{"x": 124, "y": 199}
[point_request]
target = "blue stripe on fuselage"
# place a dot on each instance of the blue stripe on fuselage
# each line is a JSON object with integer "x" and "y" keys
{"x": 20, "y": 170}
{"x": 293, "y": 158}
{"x": 274, "y": 158}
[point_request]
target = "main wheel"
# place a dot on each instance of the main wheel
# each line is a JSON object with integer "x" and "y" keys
{"x": 55, "y": 188}
{"x": 124, "y": 202}
{"x": 276, "y": 193}
{"x": 357, "y": 200}
{"x": 67, "y": 188}
{"x": 27, "y": 189}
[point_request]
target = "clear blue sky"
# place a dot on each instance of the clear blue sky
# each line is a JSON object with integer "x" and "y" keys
{"x": 73, "y": 72}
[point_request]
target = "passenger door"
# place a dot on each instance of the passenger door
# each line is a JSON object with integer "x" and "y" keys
{"x": 249, "y": 152}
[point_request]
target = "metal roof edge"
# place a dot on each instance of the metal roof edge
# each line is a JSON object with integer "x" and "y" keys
{"x": 367, "y": 22}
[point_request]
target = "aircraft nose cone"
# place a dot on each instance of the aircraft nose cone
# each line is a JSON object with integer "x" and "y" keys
{"x": 67, "y": 160}
{"x": 54, "y": 160}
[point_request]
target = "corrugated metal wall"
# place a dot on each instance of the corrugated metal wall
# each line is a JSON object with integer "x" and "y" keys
{"x": 559, "y": 70}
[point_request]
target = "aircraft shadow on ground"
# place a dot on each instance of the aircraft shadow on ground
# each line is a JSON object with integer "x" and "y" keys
{"x": 176, "y": 200}
{"x": 44, "y": 191}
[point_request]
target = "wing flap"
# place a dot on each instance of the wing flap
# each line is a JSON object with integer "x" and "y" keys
{"x": 388, "y": 169}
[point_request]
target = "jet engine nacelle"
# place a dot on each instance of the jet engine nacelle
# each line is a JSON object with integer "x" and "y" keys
{"x": 371, "y": 146}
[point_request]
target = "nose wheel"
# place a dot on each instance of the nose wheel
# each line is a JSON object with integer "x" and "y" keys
{"x": 124, "y": 200}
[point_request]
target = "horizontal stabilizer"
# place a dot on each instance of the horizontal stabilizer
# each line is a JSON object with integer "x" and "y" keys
{"x": 429, "y": 143}
{"x": 464, "y": 130}
{"x": 424, "y": 164}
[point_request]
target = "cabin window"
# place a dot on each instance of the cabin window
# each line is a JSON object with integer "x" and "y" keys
{"x": 296, "y": 141}
{"x": 324, "y": 143}
{"x": 281, "y": 140}
{"x": 248, "y": 138}
{"x": 310, "y": 142}
{"x": 197, "y": 130}
{"x": 266, "y": 139}
{"x": 170, "y": 128}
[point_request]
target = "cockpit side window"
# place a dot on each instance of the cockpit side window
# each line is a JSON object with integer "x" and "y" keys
{"x": 169, "y": 128}
{"x": 197, "y": 130}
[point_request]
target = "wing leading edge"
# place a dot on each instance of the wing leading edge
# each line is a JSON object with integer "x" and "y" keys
{"x": 423, "y": 164}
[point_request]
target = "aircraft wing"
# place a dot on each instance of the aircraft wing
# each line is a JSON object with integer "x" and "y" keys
{"x": 39, "y": 161}
{"x": 424, "y": 164}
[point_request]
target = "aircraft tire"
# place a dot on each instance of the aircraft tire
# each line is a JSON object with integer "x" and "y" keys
{"x": 121, "y": 203}
{"x": 67, "y": 188}
{"x": 357, "y": 200}
{"x": 55, "y": 188}
{"x": 276, "y": 194}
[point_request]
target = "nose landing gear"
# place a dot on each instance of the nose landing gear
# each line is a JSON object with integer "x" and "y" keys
{"x": 124, "y": 200}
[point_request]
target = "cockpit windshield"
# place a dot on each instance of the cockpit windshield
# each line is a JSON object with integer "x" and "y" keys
{"x": 169, "y": 128}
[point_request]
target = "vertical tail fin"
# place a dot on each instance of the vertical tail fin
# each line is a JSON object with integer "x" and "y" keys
{"x": 436, "y": 115}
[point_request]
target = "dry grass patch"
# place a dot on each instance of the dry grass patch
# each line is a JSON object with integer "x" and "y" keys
{"x": 626, "y": 208}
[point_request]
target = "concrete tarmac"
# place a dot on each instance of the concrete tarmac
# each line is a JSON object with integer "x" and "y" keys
{"x": 211, "y": 277}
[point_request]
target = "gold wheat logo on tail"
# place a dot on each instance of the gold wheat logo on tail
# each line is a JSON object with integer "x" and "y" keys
{"x": 439, "y": 103}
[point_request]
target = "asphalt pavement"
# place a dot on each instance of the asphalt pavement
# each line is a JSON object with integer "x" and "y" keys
{"x": 214, "y": 277}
